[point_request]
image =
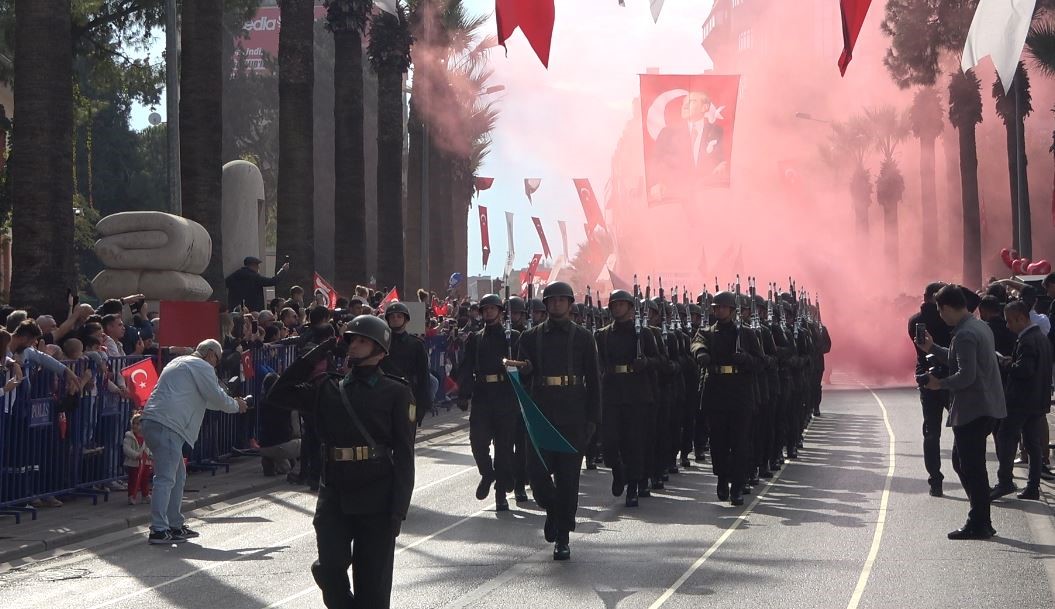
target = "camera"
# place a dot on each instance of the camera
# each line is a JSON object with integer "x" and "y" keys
{"x": 935, "y": 368}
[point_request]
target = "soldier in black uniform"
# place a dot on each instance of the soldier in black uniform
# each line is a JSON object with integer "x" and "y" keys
{"x": 538, "y": 312}
{"x": 723, "y": 349}
{"x": 701, "y": 317}
{"x": 558, "y": 360}
{"x": 785, "y": 352}
{"x": 366, "y": 423}
{"x": 626, "y": 354}
{"x": 517, "y": 313}
{"x": 691, "y": 378}
{"x": 765, "y": 421}
{"x": 408, "y": 358}
{"x": 521, "y": 320}
{"x": 493, "y": 419}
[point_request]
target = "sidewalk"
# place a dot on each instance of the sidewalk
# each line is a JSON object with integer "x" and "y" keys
{"x": 78, "y": 520}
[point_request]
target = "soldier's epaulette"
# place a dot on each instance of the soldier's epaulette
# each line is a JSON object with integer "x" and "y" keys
{"x": 396, "y": 377}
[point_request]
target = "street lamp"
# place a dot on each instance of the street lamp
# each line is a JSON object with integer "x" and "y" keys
{"x": 806, "y": 116}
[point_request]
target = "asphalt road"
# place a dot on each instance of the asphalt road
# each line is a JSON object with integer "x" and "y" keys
{"x": 848, "y": 525}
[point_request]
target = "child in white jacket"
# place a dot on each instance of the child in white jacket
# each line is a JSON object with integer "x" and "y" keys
{"x": 138, "y": 463}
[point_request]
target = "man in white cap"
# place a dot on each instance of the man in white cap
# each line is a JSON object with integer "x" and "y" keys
{"x": 187, "y": 387}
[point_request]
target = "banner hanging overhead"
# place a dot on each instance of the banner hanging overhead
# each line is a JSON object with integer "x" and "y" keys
{"x": 531, "y": 186}
{"x": 485, "y": 239}
{"x": 542, "y": 236}
{"x": 687, "y": 123}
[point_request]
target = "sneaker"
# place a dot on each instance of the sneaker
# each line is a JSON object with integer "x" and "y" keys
{"x": 184, "y": 533}
{"x": 132, "y": 501}
{"x": 51, "y": 502}
{"x": 157, "y": 538}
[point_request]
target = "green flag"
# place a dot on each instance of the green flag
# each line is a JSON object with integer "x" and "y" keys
{"x": 542, "y": 433}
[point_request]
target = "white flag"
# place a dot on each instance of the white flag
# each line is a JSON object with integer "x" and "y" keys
{"x": 509, "y": 230}
{"x": 563, "y": 235}
{"x": 389, "y": 6}
{"x": 998, "y": 30}
{"x": 657, "y": 6}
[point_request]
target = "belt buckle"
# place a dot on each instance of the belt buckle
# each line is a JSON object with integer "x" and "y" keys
{"x": 342, "y": 454}
{"x": 726, "y": 370}
{"x": 621, "y": 369}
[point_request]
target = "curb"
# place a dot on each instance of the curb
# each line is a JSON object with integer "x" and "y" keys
{"x": 10, "y": 559}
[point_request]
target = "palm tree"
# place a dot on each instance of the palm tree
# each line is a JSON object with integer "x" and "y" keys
{"x": 1013, "y": 108}
{"x": 41, "y": 163}
{"x": 296, "y": 183}
{"x": 347, "y": 20}
{"x": 201, "y": 131}
{"x": 852, "y": 140}
{"x": 890, "y": 129}
{"x": 389, "y": 51}
{"x": 927, "y": 123}
{"x": 965, "y": 112}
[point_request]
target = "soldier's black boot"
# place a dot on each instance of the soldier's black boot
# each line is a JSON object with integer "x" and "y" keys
{"x": 657, "y": 483}
{"x": 519, "y": 492}
{"x": 737, "y": 497}
{"x": 631, "y": 494}
{"x": 591, "y": 463}
{"x": 618, "y": 482}
{"x": 754, "y": 479}
{"x": 561, "y": 549}
{"x": 484, "y": 488}
{"x": 765, "y": 473}
{"x": 501, "y": 504}
{"x": 723, "y": 490}
{"x": 642, "y": 488}
{"x": 685, "y": 463}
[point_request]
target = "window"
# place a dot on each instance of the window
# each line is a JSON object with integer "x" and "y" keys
{"x": 743, "y": 41}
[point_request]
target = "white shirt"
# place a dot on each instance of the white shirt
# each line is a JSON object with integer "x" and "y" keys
{"x": 1041, "y": 320}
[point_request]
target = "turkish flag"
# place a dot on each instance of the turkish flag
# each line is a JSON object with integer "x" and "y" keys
{"x": 483, "y": 184}
{"x": 590, "y": 207}
{"x": 853, "y": 16}
{"x": 140, "y": 378}
{"x": 248, "y": 370}
{"x": 687, "y": 127}
{"x": 327, "y": 289}
{"x": 542, "y": 236}
{"x": 392, "y": 296}
{"x": 531, "y": 186}
{"x": 439, "y": 310}
{"x": 533, "y": 17}
{"x": 485, "y": 240}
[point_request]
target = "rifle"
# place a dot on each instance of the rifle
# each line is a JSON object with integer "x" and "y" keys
{"x": 637, "y": 316}
{"x": 662, "y": 311}
{"x": 588, "y": 318}
{"x": 753, "y": 291}
{"x": 736, "y": 315}
{"x": 507, "y": 324}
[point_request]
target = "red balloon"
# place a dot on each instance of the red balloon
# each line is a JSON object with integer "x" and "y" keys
{"x": 1023, "y": 265}
{"x": 1043, "y": 267}
{"x": 1005, "y": 255}
{"x": 1032, "y": 269}
{"x": 1016, "y": 267}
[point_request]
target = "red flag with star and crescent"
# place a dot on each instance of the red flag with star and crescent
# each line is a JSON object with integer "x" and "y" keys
{"x": 590, "y": 207}
{"x": 542, "y": 236}
{"x": 248, "y": 370}
{"x": 485, "y": 239}
{"x": 140, "y": 378}
{"x": 687, "y": 122}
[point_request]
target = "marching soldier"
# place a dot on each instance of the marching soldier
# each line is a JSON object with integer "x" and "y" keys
{"x": 766, "y": 420}
{"x": 366, "y": 424}
{"x": 626, "y": 354}
{"x": 691, "y": 373}
{"x": 493, "y": 418}
{"x": 559, "y": 362}
{"x": 723, "y": 349}
{"x": 537, "y": 310}
{"x": 654, "y": 430}
{"x": 785, "y": 352}
{"x": 701, "y": 317}
{"x": 517, "y": 313}
{"x": 408, "y": 358}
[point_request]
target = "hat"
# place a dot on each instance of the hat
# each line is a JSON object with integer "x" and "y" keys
{"x": 251, "y": 260}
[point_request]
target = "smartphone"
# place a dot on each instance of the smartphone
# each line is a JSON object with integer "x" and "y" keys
{"x": 921, "y": 333}
{"x": 256, "y": 326}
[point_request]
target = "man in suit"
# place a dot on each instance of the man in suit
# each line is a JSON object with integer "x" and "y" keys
{"x": 1028, "y": 392}
{"x": 977, "y": 402}
{"x": 934, "y": 402}
{"x": 689, "y": 153}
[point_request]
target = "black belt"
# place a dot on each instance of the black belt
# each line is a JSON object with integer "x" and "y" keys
{"x": 562, "y": 381}
{"x": 491, "y": 378}
{"x": 354, "y": 453}
{"x": 621, "y": 369}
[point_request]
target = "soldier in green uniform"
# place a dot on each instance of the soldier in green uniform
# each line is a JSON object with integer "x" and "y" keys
{"x": 366, "y": 425}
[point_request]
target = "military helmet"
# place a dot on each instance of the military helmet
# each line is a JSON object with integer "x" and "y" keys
{"x": 492, "y": 300}
{"x": 578, "y": 309}
{"x": 695, "y": 309}
{"x": 558, "y": 288}
{"x": 370, "y": 327}
{"x": 536, "y": 304}
{"x": 620, "y": 296}
{"x": 680, "y": 308}
{"x": 724, "y": 299}
{"x": 397, "y": 307}
{"x": 516, "y": 304}
{"x": 788, "y": 297}
{"x": 653, "y": 304}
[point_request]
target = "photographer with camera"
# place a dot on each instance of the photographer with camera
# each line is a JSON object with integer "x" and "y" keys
{"x": 976, "y": 401}
{"x": 934, "y": 402}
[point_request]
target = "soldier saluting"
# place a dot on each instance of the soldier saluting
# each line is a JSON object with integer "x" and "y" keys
{"x": 558, "y": 360}
{"x": 366, "y": 425}
{"x": 728, "y": 395}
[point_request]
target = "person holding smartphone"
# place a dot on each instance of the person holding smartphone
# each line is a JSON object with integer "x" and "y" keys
{"x": 934, "y": 401}
{"x": 246, "y": 285}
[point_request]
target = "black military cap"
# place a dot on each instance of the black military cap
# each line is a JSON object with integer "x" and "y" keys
{"x": 516, "y": 304}
{"x": 492, "y": 300}
{"x": 724, "y": 299}
{"x": 536, "y": 304}
{"x": 558, "y": 288}
{"x": 620, "y": 296}
{"x": 370, "y": 327}
{"x": 397, "y": 307}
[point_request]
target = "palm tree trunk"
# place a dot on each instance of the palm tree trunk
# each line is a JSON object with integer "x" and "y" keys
{"x": 390, "y": 238}
{"x": 1012, "y": 153}
{"x": 439, "y": 219}
{"x": 296, "y": 183}
{"x": 972, "y": 228}
{"x": 42, "y": 157}
{"x": 413, "y": 228}
{"x": 349, "y": 202}
{"x": 1022, "y": 195}
{"x": 928, "y": 196}
{"x": 952, "y": 219}
{"x": 890, "y": 237}
{"x": 201, "y": 127}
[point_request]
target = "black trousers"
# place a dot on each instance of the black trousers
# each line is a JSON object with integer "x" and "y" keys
{"x": 934, "y": 403}
{"x": 623, "y": 450}
{"x": 794, "y": 420}
{"x": 497, "y": 424}
{"x": 364, "y": 542}
{"x": 968, "y": 459}
{"x": 763, "y": 434}
{"x": 310, "y": 450}
{"x": 675, "y": 422}
{"x": 661, "y": 449}
{"x": 521, "y": 446}
{"x": 1031, "y": 428}
{"x": 690, "y": 410}
{"x": 555, "y": 483}
{"x": 780, "y": 421}
{"x": 702, "y": 437}
{"x": 730, "y": 442}
{"x": 649, "y": 439}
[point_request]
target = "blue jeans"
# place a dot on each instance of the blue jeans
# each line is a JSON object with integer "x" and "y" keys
{"x": 170, "y": 476}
